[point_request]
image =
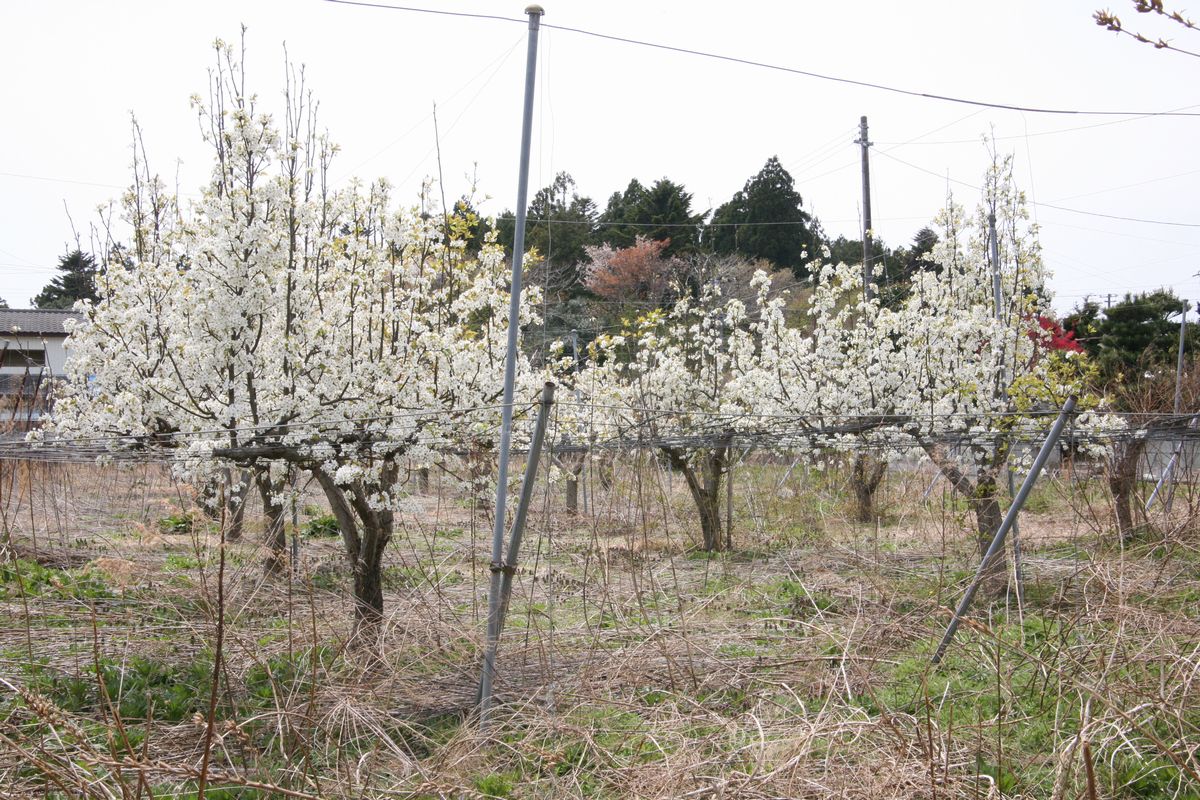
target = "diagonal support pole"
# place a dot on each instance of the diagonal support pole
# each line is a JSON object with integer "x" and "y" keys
{"x": 1010, "y": 517}
{"x": 502, "y": 573}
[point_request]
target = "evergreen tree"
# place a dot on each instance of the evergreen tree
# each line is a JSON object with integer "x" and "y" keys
{"x": 559, "y": 225}
{"x": 1141, "y": 332}
{"x": 76, "y": 281}
{"x": 765, "y": 220}
{"x": 1137, "y": 335}
{"x": 661, "y": 212}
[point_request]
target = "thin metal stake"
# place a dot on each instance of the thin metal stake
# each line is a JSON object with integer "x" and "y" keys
{"x": 998, "y": 540}
{"x": 1169, "y": 471}
{"x": 502, "y": 573}
{"x": 998, "y": 303}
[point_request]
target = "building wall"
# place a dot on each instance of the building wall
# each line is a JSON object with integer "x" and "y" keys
{"x": 56, "y": 354}
{"x": 25, "y": 388}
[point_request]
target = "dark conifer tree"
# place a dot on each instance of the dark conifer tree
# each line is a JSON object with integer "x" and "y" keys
{"x": 76, "y": 281}
{"x": 766, "y": 219}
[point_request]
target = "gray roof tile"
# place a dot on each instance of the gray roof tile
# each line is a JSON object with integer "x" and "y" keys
{"x": 36, "y": 320}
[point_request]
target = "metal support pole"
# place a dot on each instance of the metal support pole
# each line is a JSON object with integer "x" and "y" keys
{"x": 994, "y": 257}
{"x": 514, "y": 322}
{"x": 866, "y": 190}
{"x": 1170, "y": 469}
{"x": 998, "y": 303}
{"x": 998, "y": 540}
{"x": 502, "y": 573}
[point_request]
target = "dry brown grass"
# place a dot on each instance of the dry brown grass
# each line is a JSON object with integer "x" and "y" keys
{"x": 631, "y": 666}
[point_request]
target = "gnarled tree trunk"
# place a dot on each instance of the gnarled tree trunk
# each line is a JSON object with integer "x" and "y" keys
{"x": 236, "y": 491}
{"x": 572, "y": 465}
{"x": 705, "y": 488}
{"x": 275, "y": 528}
{"x": 1122, "y": 482}
{"x": 866, "y": 477}
{"x": 365, "y": 534}
{"x": 983, "y": 497}
{"x": 985, "y": 502}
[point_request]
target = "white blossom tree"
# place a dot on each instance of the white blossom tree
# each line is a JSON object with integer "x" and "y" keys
{"x": 278, "y": 321}
{"x": 942, "y": 373}
{"x": 825, "y": 380}
{"x": 669, "y": 380}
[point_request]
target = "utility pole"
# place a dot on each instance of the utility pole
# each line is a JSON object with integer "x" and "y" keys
{"x": 865, "y": 143}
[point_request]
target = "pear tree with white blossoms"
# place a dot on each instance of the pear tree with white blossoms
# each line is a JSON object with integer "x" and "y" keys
{"x": 959, "y": 380}
{"x": 669, "y": 381}
{"x": 824, "y": 380}
{"x": 279, "y": 322}
{"x": 941, "y": 373}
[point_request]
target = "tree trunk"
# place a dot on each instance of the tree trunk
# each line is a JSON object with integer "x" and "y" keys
{"x": 275, "y": 529}
{"x": 983, "y": 496}
{"x": 368, "y": 587}
{"x": 1122, "y": 482}
{"x": 867, "y": 475}
{"x": 365, "y": 533}
{"x": 236, "y": 494}
{"x": 604, "y": 470}
{"x": 705, "y": 490}
{"x": 572, "y": 464}
{"x": 572, "y": 494}
{"x": 988, "y": 516}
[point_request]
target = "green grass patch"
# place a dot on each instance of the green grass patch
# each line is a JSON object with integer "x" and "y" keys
{"x": 322, "y": 527}
{"x": 31, "y": 579}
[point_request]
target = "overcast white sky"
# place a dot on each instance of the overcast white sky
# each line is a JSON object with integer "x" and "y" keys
{"x": 606, "y": 111}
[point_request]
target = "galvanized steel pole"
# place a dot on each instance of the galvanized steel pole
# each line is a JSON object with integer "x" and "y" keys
{"x": 998, "y": 540}
{"x": 518, "y": 526}
{"x": 998, "y": 302}
{"x": 510, "y": 364}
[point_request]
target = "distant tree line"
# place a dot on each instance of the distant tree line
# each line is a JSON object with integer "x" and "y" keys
{"x": 649, "y": 241}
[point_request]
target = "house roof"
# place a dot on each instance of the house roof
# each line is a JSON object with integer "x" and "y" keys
{"x": 36, "y": 321}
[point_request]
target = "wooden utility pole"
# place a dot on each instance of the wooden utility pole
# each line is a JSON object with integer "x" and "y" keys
{"x": 865, "y": 143}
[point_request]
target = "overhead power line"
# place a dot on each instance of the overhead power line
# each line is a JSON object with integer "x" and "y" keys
{"x": 973, "y": 187}
{"x": 776, "y": 67}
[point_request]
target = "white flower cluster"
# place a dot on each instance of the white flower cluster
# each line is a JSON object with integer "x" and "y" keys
{"x": 281, "y": 317}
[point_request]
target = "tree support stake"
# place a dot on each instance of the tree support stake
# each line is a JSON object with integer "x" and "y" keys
{"x": 510, "y": 363}
{"x": 1009, "y": 518}
{"x": 500, "y": 589}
